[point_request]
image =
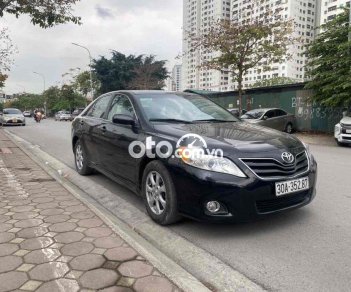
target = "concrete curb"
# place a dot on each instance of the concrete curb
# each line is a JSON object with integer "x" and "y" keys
{"x": 160, "y": 246}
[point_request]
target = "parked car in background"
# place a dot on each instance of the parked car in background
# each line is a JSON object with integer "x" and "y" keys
{"x": 274, "y": 118}
{"x": 27, "y": 114}
{"x": 63, "y": 116}
{"x": 236, "y": 112}
{"x": 342, "y": 131}
{"x": 260, "y": 171}
{"x": 12, "y": 116}
{"x": 77, "y": 112}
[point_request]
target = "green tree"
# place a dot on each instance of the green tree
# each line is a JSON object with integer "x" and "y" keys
{"x": 27, "y": 102}
{"x": 330, "y": 63}
{"x": 3, "y": 78}
{"x": 273, "y": 82}
{"x": 82, "y": 84}
{"x": 244, "y": 43}
{"x": 129, "y": 72}
{"x": 149, "y": 74}
{"x": 68, "y": 99}
{"x": 45, "y": 13}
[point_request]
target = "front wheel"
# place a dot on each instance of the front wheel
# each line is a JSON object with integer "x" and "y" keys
{"x": 339, "y": 143}
{"x": 159, "y": 194}
{"x": 289, "y": 128}
{"x": 81, "y": 160}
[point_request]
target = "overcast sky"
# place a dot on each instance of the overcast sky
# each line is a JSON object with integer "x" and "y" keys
{"x": 128, "y": 26}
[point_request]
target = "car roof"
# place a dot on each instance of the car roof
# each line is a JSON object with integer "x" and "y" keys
{"x": 154, "y": 92}
{"x": 265, "y": 109}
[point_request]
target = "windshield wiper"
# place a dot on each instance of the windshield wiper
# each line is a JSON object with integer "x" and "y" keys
{"x": 171, "y": 121}
{"x": 214, "y": 120}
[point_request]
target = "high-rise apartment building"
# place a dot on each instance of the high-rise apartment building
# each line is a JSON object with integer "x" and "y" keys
{"x": 198, "y": 14}
{"x": 330, "y": 8}
{"x": 177, "y": 78}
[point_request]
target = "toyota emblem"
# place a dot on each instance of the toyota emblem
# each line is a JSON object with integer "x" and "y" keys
{"x": 288, "y": 157}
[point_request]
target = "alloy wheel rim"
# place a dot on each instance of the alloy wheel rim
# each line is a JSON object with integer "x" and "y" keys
{"x": 79, "y": 157}
{"x": 289, "y": 129}
{"x": 156, "y": 193}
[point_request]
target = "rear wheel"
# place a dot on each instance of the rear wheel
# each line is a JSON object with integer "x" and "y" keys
{"x": 289, "y": 128}
{"x": 81, "y": 160}
{"x": 159, "y": 194}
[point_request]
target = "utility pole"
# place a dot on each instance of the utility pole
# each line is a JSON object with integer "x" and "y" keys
{"x": 90, "y": 64}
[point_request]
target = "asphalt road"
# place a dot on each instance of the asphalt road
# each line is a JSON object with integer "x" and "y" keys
{"x": 305, "y": 250}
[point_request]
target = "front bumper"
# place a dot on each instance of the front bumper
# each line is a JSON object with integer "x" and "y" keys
{"x": 12, "y": 122}
{"x": 245, "y": 199}
{"x": 344, "y": 138}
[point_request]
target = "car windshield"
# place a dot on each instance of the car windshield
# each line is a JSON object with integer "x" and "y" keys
{"x": 187, "y": 108}
{"x": 12, "y": 112}
{"x": 253, "y": 115}
{"x": 65, "y": 113}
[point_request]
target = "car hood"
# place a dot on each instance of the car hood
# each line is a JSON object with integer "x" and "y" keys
{"x": 252, "y": 121}
{"x": 244, "y": 137}
{"x": 346, "y": 121}
{"x": 14, "y": 116}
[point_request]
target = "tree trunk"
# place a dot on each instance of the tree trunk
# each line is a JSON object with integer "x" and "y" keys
{"x": 240, "y": 90}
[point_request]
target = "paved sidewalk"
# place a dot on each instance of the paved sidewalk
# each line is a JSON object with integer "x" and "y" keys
{"x": 50, "y": 241}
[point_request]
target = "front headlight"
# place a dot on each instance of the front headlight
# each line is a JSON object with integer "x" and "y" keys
{"x": 309, "y": 154}
{"x": 211, "y": 163}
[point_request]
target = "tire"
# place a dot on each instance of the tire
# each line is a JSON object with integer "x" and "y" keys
{"x": 23, "y": 125}
{"x": 289, "y": 128}
{"x": 339, "y": 143}
{"x": 81, "y": 163}
{"x": 169, "y": 209}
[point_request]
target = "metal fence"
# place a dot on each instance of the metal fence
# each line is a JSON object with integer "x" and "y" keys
{"x": 293, "y": 98}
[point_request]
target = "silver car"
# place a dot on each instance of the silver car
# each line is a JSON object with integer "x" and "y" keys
{"x": 342, "y": 131}
{"x": 63, "y": 116}
{"x": 12, "y": 116}
{"x": 274, "y": 118}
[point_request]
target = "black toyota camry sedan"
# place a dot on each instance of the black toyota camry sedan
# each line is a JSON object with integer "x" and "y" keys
{"x": 187, "y": 156}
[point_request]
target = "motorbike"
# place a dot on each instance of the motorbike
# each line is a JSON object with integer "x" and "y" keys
{"x": 38, "y": 117}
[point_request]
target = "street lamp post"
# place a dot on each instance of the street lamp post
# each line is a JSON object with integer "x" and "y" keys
{"x": 90, "y": 64}
{"x": 44, "y": 82}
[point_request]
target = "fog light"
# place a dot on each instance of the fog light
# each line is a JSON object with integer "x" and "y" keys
{"x": 213, "y": 206}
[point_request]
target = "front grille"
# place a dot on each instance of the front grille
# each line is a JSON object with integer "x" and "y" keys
{"x": 269, "y": 168}
{"x": 346, "y": 138}
{"x": 346, "y": 126}
{"x": 277, "y": 204}
{"x": 12, "y": 122}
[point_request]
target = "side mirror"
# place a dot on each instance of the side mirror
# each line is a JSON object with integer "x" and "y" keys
{"x": 123, "y": 120}
{"x": 265, "y": 118}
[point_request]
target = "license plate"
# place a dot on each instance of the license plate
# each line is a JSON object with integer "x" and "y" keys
{"x": 348, "y": 131}
{"x": 292, "y": 186}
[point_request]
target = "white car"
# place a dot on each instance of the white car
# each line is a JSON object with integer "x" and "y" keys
{"x": 63, "y": 116}
{"x": 12, "y": 116}
{"x": 342, "y": 131}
